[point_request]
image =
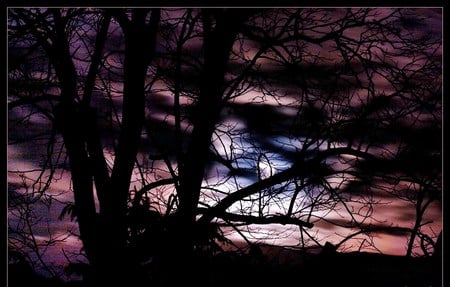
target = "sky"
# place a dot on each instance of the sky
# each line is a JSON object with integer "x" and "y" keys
{"x": 58, "y": 234}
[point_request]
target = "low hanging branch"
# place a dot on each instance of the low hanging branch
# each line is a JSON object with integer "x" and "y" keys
{"x": 274, "y": 219}
{"x": 300, "y": 168}
{"x": 150, "y": 186}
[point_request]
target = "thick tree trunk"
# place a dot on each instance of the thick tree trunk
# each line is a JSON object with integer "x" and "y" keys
{"x": 116, "y": 264}
{"x": 217, "y": 44}
{"x": 71, "y": 122}
{"x": 74, "y": 139}
{"x": 104, "y": 237}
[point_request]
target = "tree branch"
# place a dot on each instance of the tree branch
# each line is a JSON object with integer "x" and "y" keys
{"x": 275, "y": 219}
{"x": 151, "y": 186}
{"x": 299, "y": 168}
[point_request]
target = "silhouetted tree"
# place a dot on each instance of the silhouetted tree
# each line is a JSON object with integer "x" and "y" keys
{"x": 179, "y": 125}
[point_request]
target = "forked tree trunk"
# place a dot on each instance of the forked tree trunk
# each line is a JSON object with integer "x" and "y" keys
{"x": 115, "y": 262}
{"x": 104, "y": 236}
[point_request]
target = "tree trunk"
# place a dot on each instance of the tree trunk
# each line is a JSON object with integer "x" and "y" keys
{"x": 116, "y": 264}
{"x": 104, "y": 237}
{"x": 217, "y": 44}
{"x": 74, "y": 134}
{"x": 71, "y": 122}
